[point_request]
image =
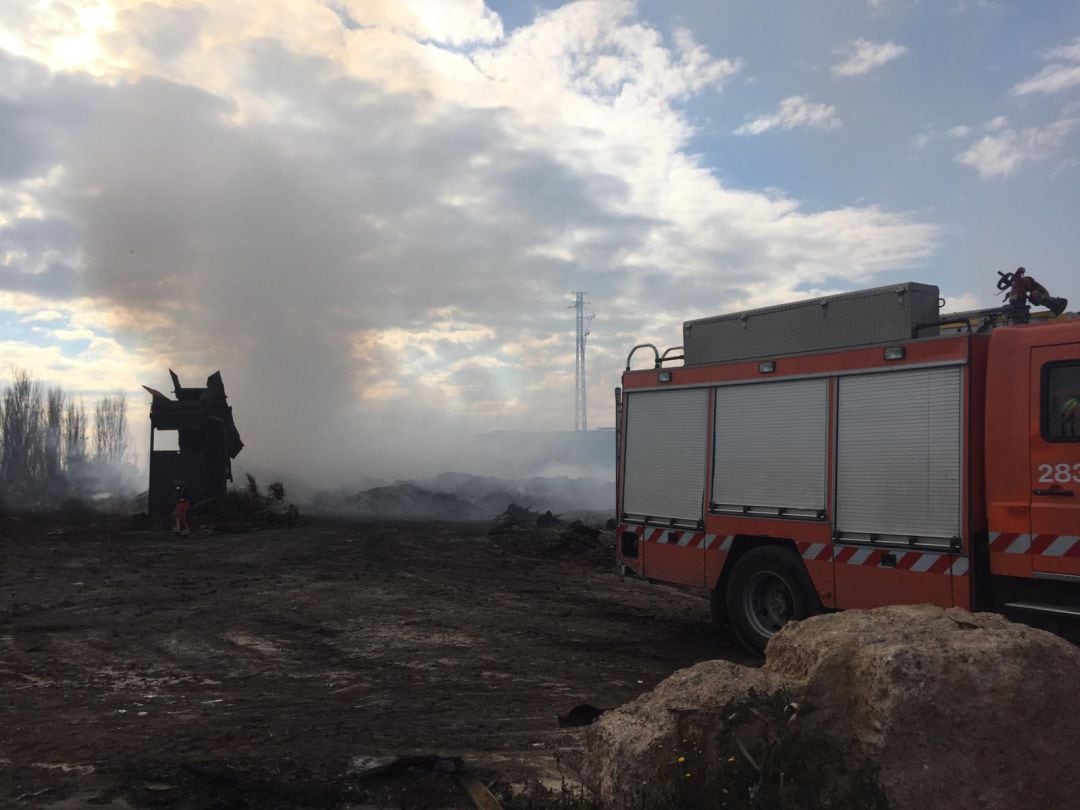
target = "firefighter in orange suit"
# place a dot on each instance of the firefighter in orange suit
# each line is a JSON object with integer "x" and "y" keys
{"x": 183, "y": 503}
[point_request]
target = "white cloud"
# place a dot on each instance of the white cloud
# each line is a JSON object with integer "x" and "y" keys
{"x": 794, "y": 112}
{"x": 102, "y": 365}
{"x": 1068, "y": 53}
{"x": 1051, "y": 79}
{"x": 1000, "y": 154}
{"x": 860, "y": 56}
{"x": 387, "y": 223}
{"x": 964, "y": 6}
{"x": 455, "y": 22}
{"x": 921, "y": 140}
{"x": 42, "y": 316}
{"x": 1062, "y": 72}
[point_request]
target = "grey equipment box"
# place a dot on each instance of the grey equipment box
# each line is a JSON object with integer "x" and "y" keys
{"x": 880, "y": 315}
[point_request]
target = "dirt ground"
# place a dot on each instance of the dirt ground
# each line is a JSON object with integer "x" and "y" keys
{"x": 275, "y": 668}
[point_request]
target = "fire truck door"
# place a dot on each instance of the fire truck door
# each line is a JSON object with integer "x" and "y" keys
{"x": 1055, "y": 459}
{"x": 898, "y": 481}
{"x": 664, "y": 480}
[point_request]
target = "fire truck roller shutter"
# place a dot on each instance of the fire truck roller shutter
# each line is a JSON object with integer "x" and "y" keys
{"x": 771, "y": 442}
{"x": 665, "y": 453}
{"x": 899, "y": 456}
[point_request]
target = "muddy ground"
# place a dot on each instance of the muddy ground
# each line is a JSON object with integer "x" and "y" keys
{"x": 274, "y": 668}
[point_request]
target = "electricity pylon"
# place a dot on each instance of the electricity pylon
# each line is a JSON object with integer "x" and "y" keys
{"x": 581, "y": 419}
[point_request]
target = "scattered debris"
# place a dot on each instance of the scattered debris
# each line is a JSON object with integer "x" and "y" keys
{"x": 431, "y": 780}
{"x": 515, "y": 517}
{"x": 219, "y": 784}
{"x": 547, "y": 520}
{"x": 363, "y": 766}
{"x": 472, "y": 498}
{"x": 574, "y": 540}
{"x": 249, "y": 508}
{"x": 372, "y": 767}
{"x": 407, "y": 501}
{"x": 579, "y": 540}
{"x": 478, "y": 794}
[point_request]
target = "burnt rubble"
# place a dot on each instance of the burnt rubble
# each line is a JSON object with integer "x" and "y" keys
{"x": 471, "y": 498}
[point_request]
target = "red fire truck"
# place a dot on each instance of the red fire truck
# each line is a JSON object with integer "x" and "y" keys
{"x": 856, "y": 451}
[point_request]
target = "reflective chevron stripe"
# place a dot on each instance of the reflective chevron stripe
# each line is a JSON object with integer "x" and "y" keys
{"x": 920, "y": 562}
{"x": 1046, "y": 545}
{"x": 680, "y": 537}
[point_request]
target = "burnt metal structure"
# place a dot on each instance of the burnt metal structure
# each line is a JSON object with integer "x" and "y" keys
{"x": 207, "y": 442}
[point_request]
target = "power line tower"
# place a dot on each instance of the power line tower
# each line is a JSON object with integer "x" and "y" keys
{"x": 581, "y": 421}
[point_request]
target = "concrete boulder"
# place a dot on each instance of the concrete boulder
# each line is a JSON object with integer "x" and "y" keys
{"x": 950, "y": 709}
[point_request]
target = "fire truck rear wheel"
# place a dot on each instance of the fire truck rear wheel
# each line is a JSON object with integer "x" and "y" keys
{"x": 768, "y": 588}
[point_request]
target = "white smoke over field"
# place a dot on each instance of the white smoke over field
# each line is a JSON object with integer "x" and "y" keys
{"x": 371, "y": 225}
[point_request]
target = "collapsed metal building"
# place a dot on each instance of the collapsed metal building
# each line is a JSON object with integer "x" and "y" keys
{"x": 206, "y": 443}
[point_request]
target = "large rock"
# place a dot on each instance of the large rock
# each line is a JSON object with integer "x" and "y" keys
{"x": 954, "y": 710}
{"x": 628, "y": 747}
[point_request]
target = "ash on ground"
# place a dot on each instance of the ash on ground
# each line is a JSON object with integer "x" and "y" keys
{"x": 472, "y": 498}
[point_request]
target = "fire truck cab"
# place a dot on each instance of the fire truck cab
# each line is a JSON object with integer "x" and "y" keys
{"x": 852, "y": 452}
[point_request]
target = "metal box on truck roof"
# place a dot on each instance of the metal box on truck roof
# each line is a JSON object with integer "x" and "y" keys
{"x": 861, "y": 318}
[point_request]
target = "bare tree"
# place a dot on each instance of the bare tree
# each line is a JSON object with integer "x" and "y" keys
{"x": 74, "y": 435}
{"x": 23, "y": 422}
{"x": 110, "y": 429}
{"x": 54, "y": 420}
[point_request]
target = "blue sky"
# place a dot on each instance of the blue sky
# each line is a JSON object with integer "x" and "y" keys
{"x": 893, "y": 148}
{"x": 962, "y": 61}
{"x": 394, "y": 211}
